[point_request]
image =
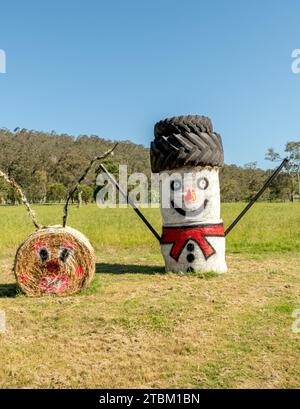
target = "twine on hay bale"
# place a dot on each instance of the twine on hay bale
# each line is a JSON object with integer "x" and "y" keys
{"x": 54, "y": 260}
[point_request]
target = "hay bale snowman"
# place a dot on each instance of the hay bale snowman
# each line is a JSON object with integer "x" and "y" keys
{"x": 188, "y": 154}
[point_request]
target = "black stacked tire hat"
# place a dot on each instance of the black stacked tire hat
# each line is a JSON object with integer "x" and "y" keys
{"x": 185, "y": 141}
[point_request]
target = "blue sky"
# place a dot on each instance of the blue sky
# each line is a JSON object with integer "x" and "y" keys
{"x": 114, "y": 68}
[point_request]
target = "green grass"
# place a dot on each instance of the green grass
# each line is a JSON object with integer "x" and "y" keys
{"x": 136, "y": 326}
{"x": 268, "y": 227}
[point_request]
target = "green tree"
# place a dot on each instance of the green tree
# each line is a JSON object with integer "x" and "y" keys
{"x": 37, "y": 190}
{"x": 56, "y": 192}
{"x": 292, "y": 150}
{"x": 87, "y": 194}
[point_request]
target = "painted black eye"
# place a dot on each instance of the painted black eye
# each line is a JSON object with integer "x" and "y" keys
{"x": 202, "y": 183}
{"x": 65, "y": 254}
{"x": 175, "y": 185}
{"x": 44, "y": 254}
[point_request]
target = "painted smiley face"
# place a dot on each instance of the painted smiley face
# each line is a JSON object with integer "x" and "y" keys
{"x": 188, "y": 194}
{"x": 54, "y": 261}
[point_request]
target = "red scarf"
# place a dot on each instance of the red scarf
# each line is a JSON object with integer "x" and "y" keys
{"x": 179, "y": 236}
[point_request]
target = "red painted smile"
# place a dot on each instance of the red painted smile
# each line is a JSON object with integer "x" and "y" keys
{"x": 54, "y": 284}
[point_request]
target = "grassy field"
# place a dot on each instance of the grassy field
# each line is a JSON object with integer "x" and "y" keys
{"x": 136, "y": 326}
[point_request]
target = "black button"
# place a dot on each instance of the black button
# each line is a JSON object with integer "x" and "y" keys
{"x": 190, "y": 258}
{"x": 190, "y": 247}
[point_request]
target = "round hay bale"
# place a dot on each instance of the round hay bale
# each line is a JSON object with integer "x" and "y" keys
{"x": 54, "y": 260}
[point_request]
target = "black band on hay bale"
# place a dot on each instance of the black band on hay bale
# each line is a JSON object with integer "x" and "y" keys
{"x": 185, "y": 141}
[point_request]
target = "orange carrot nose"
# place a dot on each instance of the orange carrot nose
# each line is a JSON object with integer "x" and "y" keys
{"x": 190, "y": 196}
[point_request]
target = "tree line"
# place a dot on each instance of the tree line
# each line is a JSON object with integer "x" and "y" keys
{"x": 47, "y": 165}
